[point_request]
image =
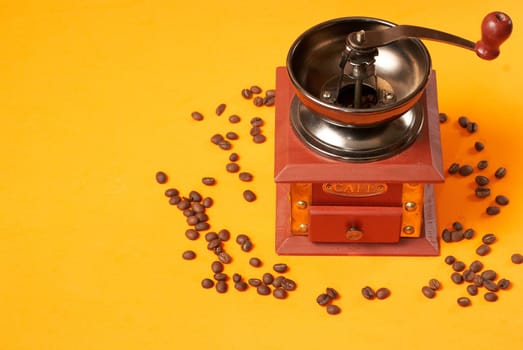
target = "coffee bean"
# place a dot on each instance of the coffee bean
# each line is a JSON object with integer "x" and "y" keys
{"x": 192, "y": 220}
{"x": 220, "y": 276}
{"x": 479, "y": 146}
{"x": 516, "y": 258}
{"x": 443, "y": 117}
{"x": 453, "y": 168}
{"x": 267, "y": 278}
{"x": 221, "y": 287}
{"x": 220, "y": 109}
{"x": 232, "y": 167}
{"x": 161, "y": 177}
{"x": 188, "y": 255}
{"x": 456, "y": 277}
{"x": 500, "y": 173}
{"x": 482, "y": 164}
{"x": 217, "y": 267}
{"x": 224, "y": 257}
{"x": 489, "y": 275}
{"x": 233, "y": 119}
{"x": 197, "y": 116}
{"x": 260, "y": 138}
{"x": 269, "y": 101}
{"x": 233, "y": 157}
{"x": 197, "y": 207}
{"x": 202, "y": 217}
{"x": 256, "y": 122}
{"x": 493, "y": 210}
{"x": 458, "y": 266}
{"x": 192, "y": 234}
{"x": 434, "y": 284}
{"x": 202, "y": 226}
{"x": 428, "y": 292}
{"x": 225, "y": 145}
{"x": 449, "y": 259}
{"x": 490, "y": 285}
{"x": 469, "y": 233}
{"x": 231, "y": 135}
{"x": 463, "y": 301}
{"x": 468, "y": 275}
{"x": 241, "y": 238}
{"x": 245, "y": 176}
{"x": 263, "y": 289}
{"x": 489, "y": 296}
{"x": 368, "y": 293}
{"x": 382, "y": 293}
{"x": 483, "y": 250}
{"x": 249, "y": 196}
{"x": 465, "y": 170}
{"x": 258, "y": 101}
{"x": 482, "y": 180}
{"x": 224, "y": 235}
{"x": 209, "y": 181}
{"x": 333, "y": 309}
{"x": 246, "y": 246}
{"x": 211, "y": 236}
{"x": 255, "y": 130}
{"x": 331, "y": 292}
{"x": 323, "y": 299}
{"x": 281, "y": 268}
{"x": 277, "y": 281}
{"x": 255, "y": 89}
{"x": 489, "y": 238}
{"x": 171, "y": 192}
{"x": 207, "y": 202}
{"x": 288, "y": 284}
{"x": 503, "y": 283}
{"x": 174, "y": 200}
{"x": 255, "y": 262}
{"x": 247, "y": 94}
{"x": 241, "y": 286}
{"x": 254, "y": 282}
{"x": 217, "y": 250}
{"x": 270, "y": 93}
{"x": 217, "y": 138}
{"x": 279, "y": 293}
{"x": 472, "y": 127}
{"x": 207, "y": 283}
{"x": 482, "y": 192}
{"x": 472, "y": 289}
{"x": 446, "y": 235}
{"x": 463, "y": 121}
{"x": 195, "y": 196}
{"x": 458, "y": 226}
{"x": 188, "y": 212}
{"x": 236, "y": 277}
{"x": 501, "y": 200}
{"x": 476, "y": 266}
{"x": 478, "y": 281}
{"x": 456, "y": 236}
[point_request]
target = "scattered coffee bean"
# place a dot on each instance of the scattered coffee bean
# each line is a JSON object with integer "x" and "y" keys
{"x": 247, "y": 94}
{"x": 428, "y": 292}
{"x": 241, "y": 286}
{"x": 456, "y": 236}
{"x": 225, "y": 145}
{"x": 472, "y": 289}
{"x": 482, "y": 192}
{"x": 255, "y": 89}
{"x": 479, "y": 146}
{"x": 489, "y": 296}
{"x": 476, "y": 266}
{"x": 465, "y": 170}
{"x": 490, "y": 285}
{"x": 171, "y": 192}
{"x": 501, "y": 200}
{"x": 197, "y": 116}
{"x": 458, "y": 266}
{"x": 463, "y": 301}
{"x": 188, "y": 255}
{"x": 279, "y": 293}
{"x": 192, "y": 220}
{"x": 249, "y": 196}
{"x": 174, "y": 200}
{"x": 446, "y": 235}
{"x": 260, "y": 138}
{"x": 333, "y": 309}
{"x": 245, "y": 176}
{"x": 233, "y": 119}
{"x": 453, "y": 168}
{"x": 516, "y": 258}
{"x": 232, "y": 167}
{"x": 503, "y": 283}
{"x": 458, "y": 226}
{"x": 463, "y": 121}
{"x": 207, "y": 283}
{"x": 220, "y": 276}
{"x": 236, "y": 277}
{"x": 209, "y": 181}
{"x": 161, "y": 177}
{"x": 211, "y": 236}
{"x": 256, "y": 122}
{"x": 192, "y": 234}
{"x": 207, "y": 202}
{"x": 255, "y": 130}
{"x": 254, "y": 282}
{"x": 269, "y": 101}
{"x": 224, "y": 257}
{"x": 270, "y": 93}
{"x": 500, "y": 173}
{"x": 220, "y": 109}
{"x": 258, "y": 101}
{"x": 263, "y": 289}
{"x": 472, "y": 127}
{"x": 288, "y": 284}
{"x": 478, "y": 281}
{"x": 183, "y": 204}
{"x": 255, "y": 262}
{"x": 221, "y": 287}
{"x": 246, "y": 246}
{"x": 489, "y": 275}
{"x": 449, "y": 259}
{"x": 188, "y": 212}
{"x": 323, "y": 299}
{"x": 382, "y": 293}
{"x": 469, "y": 233}
{"x": 331, "y": 292}
{"x": 195, "y": 196}
{"x": 217, "y": 267}
{"x": 492, "y": 210}
{"x": 488, "y": 238}
{"x": 231, "y": 135}
{"x": 267, "y": 278}
{"x": 233, "y": 157}
{"x": 482, "y": 180}
{"x": 277, "y": 281}
{"x": 217, "y": 138}
{"x": 457, "y": 278}
{"x": 281, "y": 268}
{"x": 224, "y": 235}
{"x": 443, "y": 117}
{"x": 202, "y": 226}
{"x": 468, "y": 275}
{"x": 483, "y": 250}
{"x": 434, "y": 284}
{"x": 368, "y": 293}
{"x": 241, "y": 238}
{"x": 482, "y": 164}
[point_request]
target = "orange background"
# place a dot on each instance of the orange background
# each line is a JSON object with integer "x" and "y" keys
{"x": 96, "y": 96}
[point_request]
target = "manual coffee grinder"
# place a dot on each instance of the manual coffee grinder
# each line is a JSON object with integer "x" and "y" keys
{"x": 357, "y": 139}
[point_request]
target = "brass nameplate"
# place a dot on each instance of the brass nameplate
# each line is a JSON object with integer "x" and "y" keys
{"x": 354, "y": 189}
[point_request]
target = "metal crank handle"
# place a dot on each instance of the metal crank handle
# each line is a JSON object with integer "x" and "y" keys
{"x": 495, "y": 29}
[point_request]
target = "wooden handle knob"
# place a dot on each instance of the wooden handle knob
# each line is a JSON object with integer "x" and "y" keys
{"x": 495, "y": 29}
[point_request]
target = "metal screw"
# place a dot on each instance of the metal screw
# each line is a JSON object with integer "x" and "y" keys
{"x": 410, "y": 206}
{"x": 301, "y": 204}
{"x": 326, "y": 95}
{"x": 303, "y": 227}
{"x": 354, "y": 234}
{"x": 360, "y": 37}
{"x": 408, "y": 230}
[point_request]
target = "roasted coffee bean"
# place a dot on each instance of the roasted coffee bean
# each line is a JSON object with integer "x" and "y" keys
{"x": 443, "y": 117}
{"x": 255, "y": 262}
{"x": 434, "y": 284}
{"x": 281, "y": 268}
{"x": 211, "y": 236}
{"x": 220, "y": 109}
{"x": 232, "y": 167}
{"x": 458, "y": 226}
{"x": 468, "y": 234}
{"x": 217, "y": 138}
{"x": 501, "y": 200}
{"x": 368, "y": 293}
{"x": 207, "y": 202}
{"x": 503, "y": 283}
{"x": 221, "y": 287}
{"x": 267, "y": 278}
{"x": 220, "y": 276}
{"x": 197, "y": 207}
{"x": 249, "y": 196}
{"x": 233, "y": 119}
{"x": 174, "y": 200}
{"x": 195, "y": 196}
{"x": 482, "y": 164}
{"x": 188, "y": 212}
{"x": 255, "y": 89}
{"x": 456, "y": 277}
{"x": 458, "y": 266}
{"x": 256, "y": 122}
{"x": 500, "y": 173}
{"x": 472, "y": 289}
{"x": 382, "y": 293}
{"x": 192, "y": 234}
{"x": 465, "y": 170}
{"x": 161, "y": 177}
{"x": 224, "y": 257}
{"x": 489, "y": 238}
{"x": 192, "y": 220}
{"x": 492, "y": 210}
{"x": 258, "y": 101}
{"x": 463, "y": 301}
{"x": 269, "y": 101}
{"x": 184, "y": 204}
{"x": 277, "y": 281}
{"x": 482, "y": 192}
{"x": 225, "y": 145}
{"x": 333, "y": 309}
{"x": 323, "y": 299}
{"x": 478, "y": 281}
{"x": 241, "y": 286}
{"x": 453, "y": 168}
{"x": 260, "y": 138}
{"x": 483, "y": 250}
{"x": 254, "y": 282}
{"x": 456, "y": 236}
{"x": 288, "y": 284}
{"x": 482, "y": 180}
{"x": 217, "y": 267}
{"x": 490, "y": 285}
{"x": 233, "y": 157}
{"x": 207, "y": 283}
{"x": 224, "y": 235}
{"x": 246, "y": 246}
{"x": 476, "y": 266}
{"x": 489, "y": 296}
{"x": 217, "y": 250}
{"x": 468, "y": 275}
{"x": 449, "y": 259}
{"x": 516, "y": 258}
{"x": 245, "y": 176}
{"x": 231, "y": 135}
{"x": 263, "y": 289}
{"x": 331, "y": 292}
{"x": 479, "y": 146}
{"x": 463, "y": 121}
{"x": 236, "y": 277}
{"x": 472, "y": 127}
{"x": 202, "y": 217}
{"x": 241, "y": 238}
{"x": 270, "y": 93}
{"x": 255, "y": 130}
{"x": 188, "y": 255}
{"x": 279, "y": 293}
{"x": 202, "y": 226}
{"x": 209, "y": 181}
{"x": 446, "y": 235}
{"x": 428, "y": 292}
{"x": 197, "y": 116}
{"x": 489, "y": 275}
{"x": 171, "y": 192}
{"x": 247, "y": 94}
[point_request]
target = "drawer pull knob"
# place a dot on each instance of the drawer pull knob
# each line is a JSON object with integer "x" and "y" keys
{"x": 354, "y": 233}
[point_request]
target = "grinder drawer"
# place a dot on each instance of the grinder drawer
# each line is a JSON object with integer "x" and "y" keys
{"x": 354, "y": 224}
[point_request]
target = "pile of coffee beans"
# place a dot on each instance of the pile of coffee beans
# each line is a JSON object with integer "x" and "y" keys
{"x": 457, "y": 233}
{"x": 254, "y": 93}
{"x": 256, "y": 131}
{"x": 370, "y": 294}
{"x": 430, "y": 290}
{"x": 326, "y": 299}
